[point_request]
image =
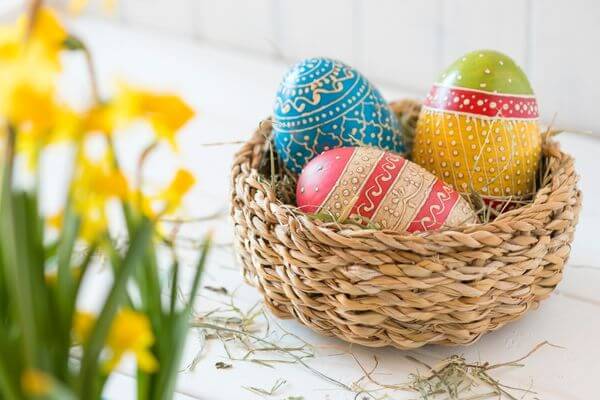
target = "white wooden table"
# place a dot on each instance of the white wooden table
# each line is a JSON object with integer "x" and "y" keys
{"x": 231, "y": 93}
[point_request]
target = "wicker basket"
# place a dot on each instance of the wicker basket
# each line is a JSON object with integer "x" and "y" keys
{"x": 381, "y": 288}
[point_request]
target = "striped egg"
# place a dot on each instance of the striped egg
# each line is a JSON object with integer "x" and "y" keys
{"x": 478, "y": 129}
{"x": 381, "y": 189}
{"x": 322, "y": 104}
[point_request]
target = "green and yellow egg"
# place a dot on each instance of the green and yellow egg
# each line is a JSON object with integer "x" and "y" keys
{"x": 478, "y": 129}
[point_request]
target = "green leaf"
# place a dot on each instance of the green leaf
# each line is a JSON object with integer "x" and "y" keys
{"x": 151, "y": 297}
{"x": 65, "y": 282}
{"x": 19, "y": 269}
{"x": 90, "y": 372}
{"x": 65, "y": 290}
{"x": 10, "y": 367}
{"x": 204, "y": 250}
{"x": 83, "y": 268}
{"x": 170, "y": 357}
{"x": 174, "y": 282}
{"x": 171, "y": 336}
{"x": 15, "y": 280}
{"x": 175, "y": 333}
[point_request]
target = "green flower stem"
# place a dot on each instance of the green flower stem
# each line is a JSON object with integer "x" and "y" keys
{"x": 74, "y": 43}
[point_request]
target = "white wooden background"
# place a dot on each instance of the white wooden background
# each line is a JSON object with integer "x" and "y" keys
{"x": 406, "y": 43}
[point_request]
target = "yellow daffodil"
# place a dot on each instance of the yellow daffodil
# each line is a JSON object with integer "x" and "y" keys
{"x": 33, "y": 56}
{"x": 47, "y": 36}
{"x": 166, "y": 201}
{"x": 96, "y": 182}
{"x": 27, "y": 97}
{"x": 28, "y": 66}
{"x": 131, "y": 332}
{"x": 142, "y": 203}
{"x": 10, "y": 43}
{"x": 177, "y": 189}
{"x": 55, "y": 221}
{"x": 36, "y": 383}
{"x": 77, "y": 6}
{"x": 40, "y": 122}
{"x": 83, "y": 323}
{"x": 167, "y": 113}
{"x": 68, "y": 124}
{"x": 29, "y": 63}
{"x": 100, "y": 118}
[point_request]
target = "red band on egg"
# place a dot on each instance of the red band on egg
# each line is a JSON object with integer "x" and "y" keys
{"x": 378, "y": 184}
{"x": 477, "y": 102}
{"x": 442, "y": 199}
{"x": 320, "y": 178}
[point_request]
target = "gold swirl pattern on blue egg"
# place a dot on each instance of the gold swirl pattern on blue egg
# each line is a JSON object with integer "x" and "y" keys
{"x": 324, "y": 104}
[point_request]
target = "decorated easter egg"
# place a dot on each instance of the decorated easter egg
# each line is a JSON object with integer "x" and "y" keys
{"x": 478, "y": 128}
{"x": 380, "y": 189}
{"x": 323, "y": 104}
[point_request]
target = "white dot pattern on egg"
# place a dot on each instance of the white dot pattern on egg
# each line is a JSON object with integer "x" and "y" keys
{"x": 487, "y": 125}
{"x": 324, "y": 104}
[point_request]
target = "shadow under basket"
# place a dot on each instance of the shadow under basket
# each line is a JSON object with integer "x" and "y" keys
{"x": 382, "y": 288}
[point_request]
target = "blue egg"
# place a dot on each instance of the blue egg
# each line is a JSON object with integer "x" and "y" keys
{"x": 322, "y": 104}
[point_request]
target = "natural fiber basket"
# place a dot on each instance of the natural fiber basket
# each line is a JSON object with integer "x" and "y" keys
{"x": 381, "y": 288}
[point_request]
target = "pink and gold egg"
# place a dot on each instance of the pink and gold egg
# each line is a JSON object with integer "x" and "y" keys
{"x": 381, "y": 189}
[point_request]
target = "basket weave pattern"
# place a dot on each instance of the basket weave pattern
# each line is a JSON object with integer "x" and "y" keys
{"x": 380, "y": 288}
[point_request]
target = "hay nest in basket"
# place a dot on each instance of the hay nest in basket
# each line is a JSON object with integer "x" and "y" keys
{"x": 381, "y": 288}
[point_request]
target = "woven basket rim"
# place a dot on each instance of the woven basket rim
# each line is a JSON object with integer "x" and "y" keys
{"x": 550, "y": 148}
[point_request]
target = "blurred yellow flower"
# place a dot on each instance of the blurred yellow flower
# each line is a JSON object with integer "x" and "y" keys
{"x": 55, "y": 221}
{"x": 26, "y": 95}
{"x": 83, "y": 323}
{"x": 77, "y": 6}
{"x": 177, "y": 189}
{"x": 142, "y": 203}
{"x": 28, "y": 68}
{"x": 167, "y": 113}
{"x": 100, "y": 118}
{"x": 48, "y": 32}
{"x": 29, "y": 105}
{"x": 131, "y": 332}
{"x": 167, "y": 200}
{"x": 42, "y": 46}
{"x": 67, "y": 124}
{"x": 35, "y": 383}
{"x": 40, "y": 122}
{"x": 10, "y": 43}
{"x": 96, "y": 182}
